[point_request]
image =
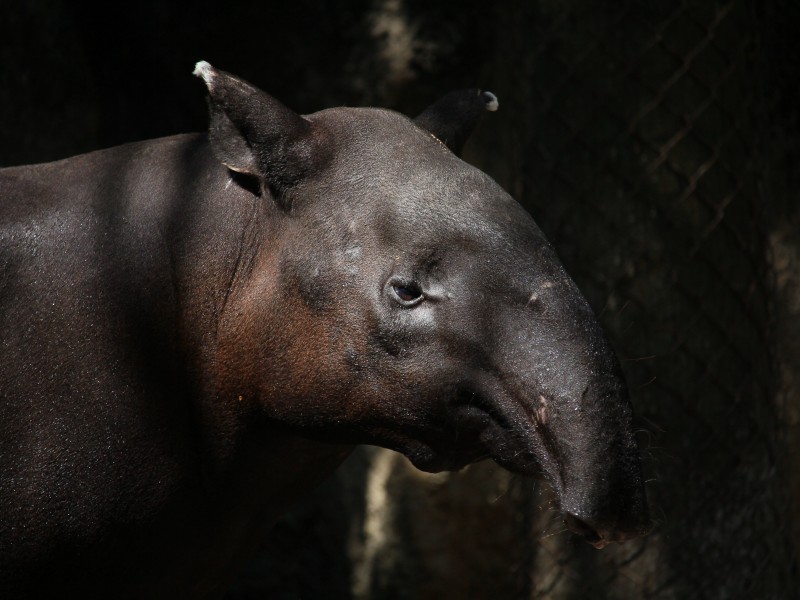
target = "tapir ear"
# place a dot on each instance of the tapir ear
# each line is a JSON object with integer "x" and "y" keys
{"x": 453, "y": 117}
{"x": 254, "y": 134}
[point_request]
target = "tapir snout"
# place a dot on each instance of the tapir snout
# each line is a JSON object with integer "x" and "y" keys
{"x": 549, "y": 374}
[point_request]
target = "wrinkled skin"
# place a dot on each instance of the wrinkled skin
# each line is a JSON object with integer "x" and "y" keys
{"x": 195, "y": 333}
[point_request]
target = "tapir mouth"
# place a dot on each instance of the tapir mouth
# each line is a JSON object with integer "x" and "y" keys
{"x": 469, "y": 403}
{"x": 469, "y": 430}
{"x": 481, "y": 428}
{"x": 517, "y": 435}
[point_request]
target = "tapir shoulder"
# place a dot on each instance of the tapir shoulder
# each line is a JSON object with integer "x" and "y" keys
{"x": 97, "y": 178}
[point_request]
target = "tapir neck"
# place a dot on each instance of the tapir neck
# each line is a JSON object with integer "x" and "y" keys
{"x": 219, "y": 233}
{"x": 188, "y": 233}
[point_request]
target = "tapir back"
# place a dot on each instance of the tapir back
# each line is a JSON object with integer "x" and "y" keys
{"x": 84, "y": 282}
{"x": 95, "y": 421}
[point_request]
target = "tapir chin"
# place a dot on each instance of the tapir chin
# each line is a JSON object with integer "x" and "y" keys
{"x": 198, "y": 329}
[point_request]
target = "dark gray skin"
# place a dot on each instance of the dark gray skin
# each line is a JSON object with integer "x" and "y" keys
{"x": 196, "y": 330}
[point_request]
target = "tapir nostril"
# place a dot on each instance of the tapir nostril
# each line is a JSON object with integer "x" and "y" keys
{"x": 579, "y": 527}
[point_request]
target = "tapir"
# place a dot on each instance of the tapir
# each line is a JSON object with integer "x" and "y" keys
{"x": 197, "y": 329}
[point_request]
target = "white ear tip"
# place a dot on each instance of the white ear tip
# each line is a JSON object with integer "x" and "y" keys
{"x": 492, "y": 104}
{"x": 205, "y": 71}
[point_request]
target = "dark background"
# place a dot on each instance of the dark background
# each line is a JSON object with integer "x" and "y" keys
{"x": 656, "y": 143}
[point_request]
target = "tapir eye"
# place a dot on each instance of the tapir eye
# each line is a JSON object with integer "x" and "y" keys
{"x": 408, "y": 294}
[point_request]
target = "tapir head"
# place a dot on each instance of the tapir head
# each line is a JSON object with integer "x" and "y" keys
{"x": 399, "y": 297}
